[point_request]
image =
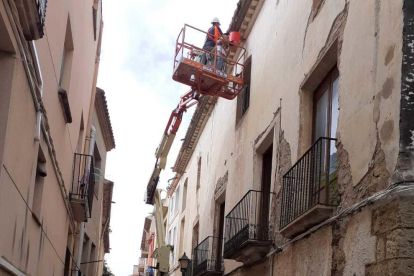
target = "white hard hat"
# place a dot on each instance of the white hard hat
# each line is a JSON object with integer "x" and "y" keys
{"x": 215, "y": 20}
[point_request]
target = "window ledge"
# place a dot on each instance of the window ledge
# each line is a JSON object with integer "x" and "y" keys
{"x": 312, "y": 217}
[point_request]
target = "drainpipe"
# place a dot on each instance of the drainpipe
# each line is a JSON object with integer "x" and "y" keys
{"x": 82, "y": 225}
{"x": 40, "y": 84}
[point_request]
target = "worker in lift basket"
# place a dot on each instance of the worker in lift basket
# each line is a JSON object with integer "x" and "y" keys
{"x": 222, "y": 52}
{"x": 213, "y": 34}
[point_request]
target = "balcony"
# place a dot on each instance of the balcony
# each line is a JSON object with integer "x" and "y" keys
{"x": 208, "y": 257}
{"x": 309, "y": 189}
{"x": 144, "y": 250}
{"x": 32, "y": 14}
{"x": 83, "y": 186}
{"x": 146, "y": 235}
{"x": 141, "y": 265}
{"x": 247, "y": 228}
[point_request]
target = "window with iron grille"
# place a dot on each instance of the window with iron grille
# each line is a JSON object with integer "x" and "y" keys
{"x": 312, "y": 180}
{"x": 243, "y": 100}
{"x": 246, "y": 90}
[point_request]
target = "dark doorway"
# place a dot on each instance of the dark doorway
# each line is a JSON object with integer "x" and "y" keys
{"x": 195, "y": 239}
{"x": 220, "y": 237}
{"x": 266, "y": 183}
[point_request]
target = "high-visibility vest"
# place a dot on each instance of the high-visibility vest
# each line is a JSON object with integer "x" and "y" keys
{"x": 216, "y": 34}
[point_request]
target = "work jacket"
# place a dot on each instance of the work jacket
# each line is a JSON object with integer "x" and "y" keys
{"x": 213, "y": 33}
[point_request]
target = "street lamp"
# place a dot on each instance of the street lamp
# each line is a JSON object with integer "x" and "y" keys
{"x": 184, "y": 260}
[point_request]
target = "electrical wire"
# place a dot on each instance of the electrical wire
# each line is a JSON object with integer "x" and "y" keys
{"x": 392, "y": 190}
{"x": 30, "y": 209}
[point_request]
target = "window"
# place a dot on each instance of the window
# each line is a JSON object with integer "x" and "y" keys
{"x": 243, "y": 100}
{"x": 92, "y": 258}
{"x": 199, "y": 173}
{"x": 39, "y": 184}
{"x": 79, "y": 145}
{"x": 85, "y": 253}
{"x": 184, "y": 195}
{"x": 95, "y": 9}
{"x": 67, "y": 55}
{"x": 181, "y": 249}
{"x": 172, "y": 240}
{"x": 174, "y": 235}
{"x": 95, "y": 18}
{"x": 195, "y": 236}
{"x": 172, "y": 205}
{"x": 97, "y": 169}
{"x": 326, "y": 112}
{"x": 177, "y": 199}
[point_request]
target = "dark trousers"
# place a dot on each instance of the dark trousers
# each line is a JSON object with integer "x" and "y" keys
{"x": 204, "y": 55}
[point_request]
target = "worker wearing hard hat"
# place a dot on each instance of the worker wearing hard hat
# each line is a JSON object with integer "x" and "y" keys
{"x": 213, "y": 34}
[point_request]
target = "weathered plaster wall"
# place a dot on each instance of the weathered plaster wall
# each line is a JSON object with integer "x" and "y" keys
{"x": 358, "y": 244}
{"x": 310, "y": 256}
{"x": 370, "y": 61}
{"x": 287, "y": 42}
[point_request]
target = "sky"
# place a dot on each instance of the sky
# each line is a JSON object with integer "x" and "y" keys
{"x": 136, "y": 74}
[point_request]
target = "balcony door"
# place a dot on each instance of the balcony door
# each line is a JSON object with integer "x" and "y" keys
{"x": 220, "y": 238}
{"x": 326, "y": 112}
{"x": 265, "y": 200}
{"x": 325, "y": 123}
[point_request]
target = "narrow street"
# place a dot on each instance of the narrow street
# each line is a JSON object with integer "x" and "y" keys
{"x": 206, "y": 138}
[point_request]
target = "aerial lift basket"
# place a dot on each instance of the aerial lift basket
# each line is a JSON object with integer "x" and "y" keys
{"x": 208, "y": 79}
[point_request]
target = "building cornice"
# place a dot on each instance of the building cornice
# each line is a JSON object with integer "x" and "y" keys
{"x": 101, "y": 107}
{"x": 198, "y": 121}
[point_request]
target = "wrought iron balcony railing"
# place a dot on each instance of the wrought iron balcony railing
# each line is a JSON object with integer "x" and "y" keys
{"x": 190, "y": 270}
{"x": 83, "y": 182}
{"x": 208, "y": 256}
{"x": 248, "y": 221}
{"x": 311, "y": 181}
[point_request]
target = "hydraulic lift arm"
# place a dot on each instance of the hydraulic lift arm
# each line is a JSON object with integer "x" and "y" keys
{"x": 153, "y": 197}
{"x": 162, "y": 252}
{"x": 187, "y": 100}
{"x": 204, "y": 79}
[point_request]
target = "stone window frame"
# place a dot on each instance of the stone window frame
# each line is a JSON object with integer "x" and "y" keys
{"x": 312, "y": 81}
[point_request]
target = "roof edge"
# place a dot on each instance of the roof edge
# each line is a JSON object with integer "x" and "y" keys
{"x": 101, "y": 107}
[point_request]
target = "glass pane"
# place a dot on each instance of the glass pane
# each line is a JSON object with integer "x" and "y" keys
{"x": 334, "y": 125}
{"x": 335, "y": 107}
{"x": 321, "y": 116}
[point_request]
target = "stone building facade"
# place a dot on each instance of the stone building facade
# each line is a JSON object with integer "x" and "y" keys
{"x": 310, "y": 170}
{"x": 55, "y": 132}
